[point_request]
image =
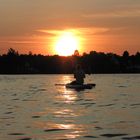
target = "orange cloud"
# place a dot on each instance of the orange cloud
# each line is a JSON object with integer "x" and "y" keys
{"x": 130, "y": 12}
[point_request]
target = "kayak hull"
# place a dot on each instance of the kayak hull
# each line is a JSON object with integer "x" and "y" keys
{"x": 84, "y": 86}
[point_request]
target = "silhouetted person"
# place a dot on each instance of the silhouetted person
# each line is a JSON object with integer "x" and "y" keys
{"x": 79, "y": 75}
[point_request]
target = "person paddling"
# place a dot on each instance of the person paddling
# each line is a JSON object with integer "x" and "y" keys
{"x": 79, "y": 75}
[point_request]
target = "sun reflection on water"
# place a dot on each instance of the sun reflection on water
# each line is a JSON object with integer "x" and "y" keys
{"x": 65, "y": 130}
{"x": 65, "y": 95}
{"x": 66, "y": 78}
{"x": 61, "y": 117}
{"x": 69, "y": 97}
{"x": 65, "y": 113}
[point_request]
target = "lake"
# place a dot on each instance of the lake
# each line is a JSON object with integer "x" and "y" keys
{"x": 32, "y": 107}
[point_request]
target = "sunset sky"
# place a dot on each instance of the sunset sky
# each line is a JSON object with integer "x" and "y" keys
{"x": 100, "y": 25}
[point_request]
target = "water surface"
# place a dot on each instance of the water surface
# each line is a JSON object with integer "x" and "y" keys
{"x": 33, "y": 108}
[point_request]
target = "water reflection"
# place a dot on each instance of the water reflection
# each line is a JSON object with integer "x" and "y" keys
{"x": 73, "y": 135}
{"x": 65, "y": 113}
{"x": 37, "y": 109}
{"x": 68, "y": 96}
{"x": 66, "y": 131}
{"x": 53, "y": 126}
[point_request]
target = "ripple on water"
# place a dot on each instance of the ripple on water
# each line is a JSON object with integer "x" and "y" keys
{"x": 14, "y": 95}
{"x": 15, "y": 99}
{"x": 90, "y": 136}
{"x": 98, "y": 128}
{"x": 113, "y": 135}
{"x": 88, "y": 104}
{"x": 25, "y": 139}
{"x": 132, "y": 138}
{"x": 36, "y": 116}
{"x": 122, "y": 86}
{"x": 17, "y": 134}
{"x": 6, "y": 118}
{"x": 106, "y": 105}
{"x": 138, "y": 104}
{"x": 55, "y": 129}
{"x": 8, "y": 112}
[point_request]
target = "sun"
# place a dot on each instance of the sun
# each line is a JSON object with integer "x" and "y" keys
{"x": 66, "y": 43}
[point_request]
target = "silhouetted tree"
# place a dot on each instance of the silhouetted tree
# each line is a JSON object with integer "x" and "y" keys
{"x": 12, "y": 52}
{"x": 76, "y": 53}
{"x": 94, "y": 62}
{"x": 125, "y": 54}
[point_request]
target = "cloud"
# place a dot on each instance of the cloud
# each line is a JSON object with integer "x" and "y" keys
{"x": 19, "y": 42}
{"x": 50, "y": 32}
{"x": 22, "y": 40}
{"x": 85, "y": 31}
{"x": 132, "y": 12}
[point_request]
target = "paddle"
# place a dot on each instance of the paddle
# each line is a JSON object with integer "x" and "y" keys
{"x": 60, "y": 84}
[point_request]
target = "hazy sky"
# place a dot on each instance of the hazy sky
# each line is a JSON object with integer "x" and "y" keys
{"x": 105, "y": 25}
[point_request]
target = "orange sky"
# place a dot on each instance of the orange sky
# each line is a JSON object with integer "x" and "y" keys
{"x": 102, "y": 25}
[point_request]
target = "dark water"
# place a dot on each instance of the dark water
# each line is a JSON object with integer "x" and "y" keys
{"x": 33, "y": 108}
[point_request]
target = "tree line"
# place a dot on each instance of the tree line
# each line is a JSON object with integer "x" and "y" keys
{"x": 94, "y": 62}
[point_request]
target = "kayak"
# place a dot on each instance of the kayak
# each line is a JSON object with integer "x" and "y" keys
{"x": 84, "y": 86}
